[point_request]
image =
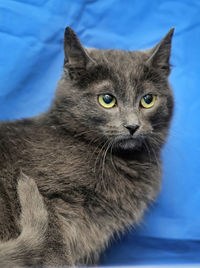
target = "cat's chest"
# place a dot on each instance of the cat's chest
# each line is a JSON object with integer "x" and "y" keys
{"x": 98, "y": 195}
{"x": 89, "y": 219}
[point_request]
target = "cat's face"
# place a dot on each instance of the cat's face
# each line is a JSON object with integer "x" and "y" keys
{"x": 116, "y": 96}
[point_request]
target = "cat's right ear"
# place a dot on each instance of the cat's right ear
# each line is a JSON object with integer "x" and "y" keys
{"x": 77, "y": 60}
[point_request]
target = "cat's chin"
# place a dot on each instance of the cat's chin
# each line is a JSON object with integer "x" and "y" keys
{"x": 126, "y": 143}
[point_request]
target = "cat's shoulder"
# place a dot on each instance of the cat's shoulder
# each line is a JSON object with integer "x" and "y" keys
{"x": 13, "y": 136}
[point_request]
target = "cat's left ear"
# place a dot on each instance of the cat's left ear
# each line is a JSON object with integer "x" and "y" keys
{"x": 77, "y": 60}
{"x": 160, "y": 54}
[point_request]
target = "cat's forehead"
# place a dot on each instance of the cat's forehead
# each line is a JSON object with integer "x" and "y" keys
{"x": 124, "y": 62}
{"x": 124, "y": 71}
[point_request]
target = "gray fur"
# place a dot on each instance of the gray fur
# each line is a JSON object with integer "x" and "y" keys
{"x": 94, "y": 178}
{"x": 26, "y": 249}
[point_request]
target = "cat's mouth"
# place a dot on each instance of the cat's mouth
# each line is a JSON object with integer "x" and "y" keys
{"x": 127, "y": 142}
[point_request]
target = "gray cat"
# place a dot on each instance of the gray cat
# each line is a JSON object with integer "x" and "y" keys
{"x": 94, "y": 156}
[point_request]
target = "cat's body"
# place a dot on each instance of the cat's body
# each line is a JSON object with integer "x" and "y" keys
{"x": 94, "y": 183}
{"x": 99, "y": 204}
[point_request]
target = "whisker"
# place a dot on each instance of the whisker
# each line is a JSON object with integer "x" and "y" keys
{"x": 96, "y": 147}
{"x": 153, "y": 151}
{"x": 85, "y": 132}
{"x": 111, "y": 158}
{"x": 148, "y": 150}
{"x": 104, "y": 158}
{"x": 99, "y": 154}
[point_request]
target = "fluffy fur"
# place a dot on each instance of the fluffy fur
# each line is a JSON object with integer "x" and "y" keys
{"x": 94, "y": 178}
{"x": 27, "y": 248}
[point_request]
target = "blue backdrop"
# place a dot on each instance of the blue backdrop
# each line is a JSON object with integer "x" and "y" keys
{"x": 31, "y": 58}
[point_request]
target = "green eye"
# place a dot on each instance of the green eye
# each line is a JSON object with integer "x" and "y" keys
{"x": 148, "y": 101}
{"x": 107, "y": 101}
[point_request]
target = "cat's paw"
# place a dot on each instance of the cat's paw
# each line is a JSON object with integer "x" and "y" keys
{"x": 34, "y": 214}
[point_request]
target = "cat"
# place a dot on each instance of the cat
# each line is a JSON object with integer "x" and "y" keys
{"x": 91, "y": 162}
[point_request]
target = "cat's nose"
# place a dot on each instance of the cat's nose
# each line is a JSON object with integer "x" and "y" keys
{"x": 132, "y": 129}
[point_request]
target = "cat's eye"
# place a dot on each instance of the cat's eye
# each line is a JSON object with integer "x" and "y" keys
{"x": 148, "y": 101}
{"x": 107, "y": 101}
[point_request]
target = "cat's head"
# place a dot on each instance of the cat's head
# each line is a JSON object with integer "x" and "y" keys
{"x": 122, "y": 97}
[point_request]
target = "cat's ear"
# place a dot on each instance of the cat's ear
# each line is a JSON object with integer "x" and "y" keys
{"x": 160, "y": 54}
{"x": 77, "y": 60}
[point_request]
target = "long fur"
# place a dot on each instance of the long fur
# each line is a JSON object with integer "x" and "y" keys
{"x": 74, "y": 176}
{"x": 26, "y": 249}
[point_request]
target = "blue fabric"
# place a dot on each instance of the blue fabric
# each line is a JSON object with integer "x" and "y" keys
{"x": 31, "y": 57}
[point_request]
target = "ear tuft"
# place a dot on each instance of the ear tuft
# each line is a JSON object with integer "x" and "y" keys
{"x": 160, "y": 54}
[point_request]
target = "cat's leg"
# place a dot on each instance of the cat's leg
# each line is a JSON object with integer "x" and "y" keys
{"x": 26, "y": 250}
